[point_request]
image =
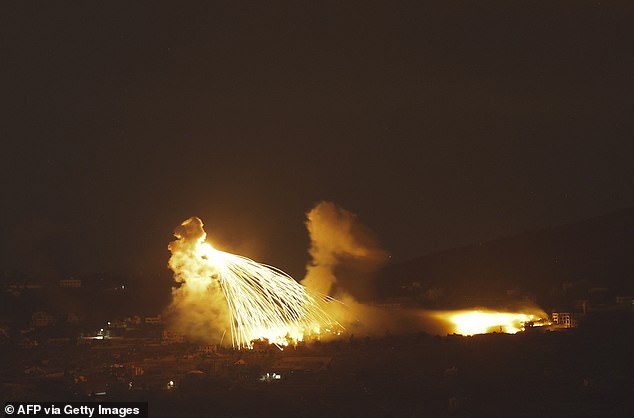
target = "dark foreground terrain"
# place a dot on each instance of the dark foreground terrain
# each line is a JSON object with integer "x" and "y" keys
{"x": 582, "y": 372}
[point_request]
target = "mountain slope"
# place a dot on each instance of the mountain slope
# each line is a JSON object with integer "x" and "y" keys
{"x": 541, "y": 264}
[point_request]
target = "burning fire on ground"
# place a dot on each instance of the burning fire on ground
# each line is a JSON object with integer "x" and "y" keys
{"x": 481, "y": 321}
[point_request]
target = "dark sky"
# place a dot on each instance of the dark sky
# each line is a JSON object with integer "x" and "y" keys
{"x": 438, "y": 123}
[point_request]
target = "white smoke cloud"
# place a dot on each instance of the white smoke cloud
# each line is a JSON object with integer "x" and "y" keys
{"x": 337, "y": 238}
{"x": 198, "y": 308}
{"x": 340, "y": 242}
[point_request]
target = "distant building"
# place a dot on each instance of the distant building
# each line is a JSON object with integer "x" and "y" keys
{"x": 207, "y": 349}
{"x": 153, "y": 319}
{"x": 302, "y": 364}
{"x": 117, "y": 323}
{"x": 172, "y": 337}
{"x": 625, "y": 300}
{"x": 42, "y": 319}
{"x": 563, "y": 319}
{"x": 262, "y": 345}
{"x": 17, "y": 288}
{"x": 70, "y": 282}
{"x": 133, "y": 320}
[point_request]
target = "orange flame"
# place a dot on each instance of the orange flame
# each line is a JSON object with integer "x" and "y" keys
{"x": 480, "y": 321}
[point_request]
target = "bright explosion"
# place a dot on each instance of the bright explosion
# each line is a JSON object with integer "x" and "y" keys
{"x": 471, "y": 322}
{"x": 220, "y": 293}
{"x": 263, "y": 302}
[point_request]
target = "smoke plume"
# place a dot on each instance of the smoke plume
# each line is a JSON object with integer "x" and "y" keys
{"x": 340, "y": 243}
{"x": 198, "y": 307}
{"x": 344, "y": 256}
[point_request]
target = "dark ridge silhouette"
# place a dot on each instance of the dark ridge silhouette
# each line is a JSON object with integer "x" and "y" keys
{"x": 541, "y": 265}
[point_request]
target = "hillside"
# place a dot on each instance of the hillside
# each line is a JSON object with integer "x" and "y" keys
{"x": 549, "y": 266}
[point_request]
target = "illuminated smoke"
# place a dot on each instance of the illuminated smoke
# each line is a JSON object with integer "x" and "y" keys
{"x": 338, "y": 238}
{"x": 339, "y": 242}
{"x": 198, "y": 309}
{"x": 260, "y": 301}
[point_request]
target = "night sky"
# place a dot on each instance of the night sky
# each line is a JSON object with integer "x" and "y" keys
{"x": 438, "y": 123}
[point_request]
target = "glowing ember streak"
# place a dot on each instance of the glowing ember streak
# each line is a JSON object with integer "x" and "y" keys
{"x": 470, "y": 322}
{"x": 263, "y": 301}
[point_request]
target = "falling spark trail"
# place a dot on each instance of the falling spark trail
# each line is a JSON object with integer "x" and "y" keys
{"x": 263, "y": 301}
